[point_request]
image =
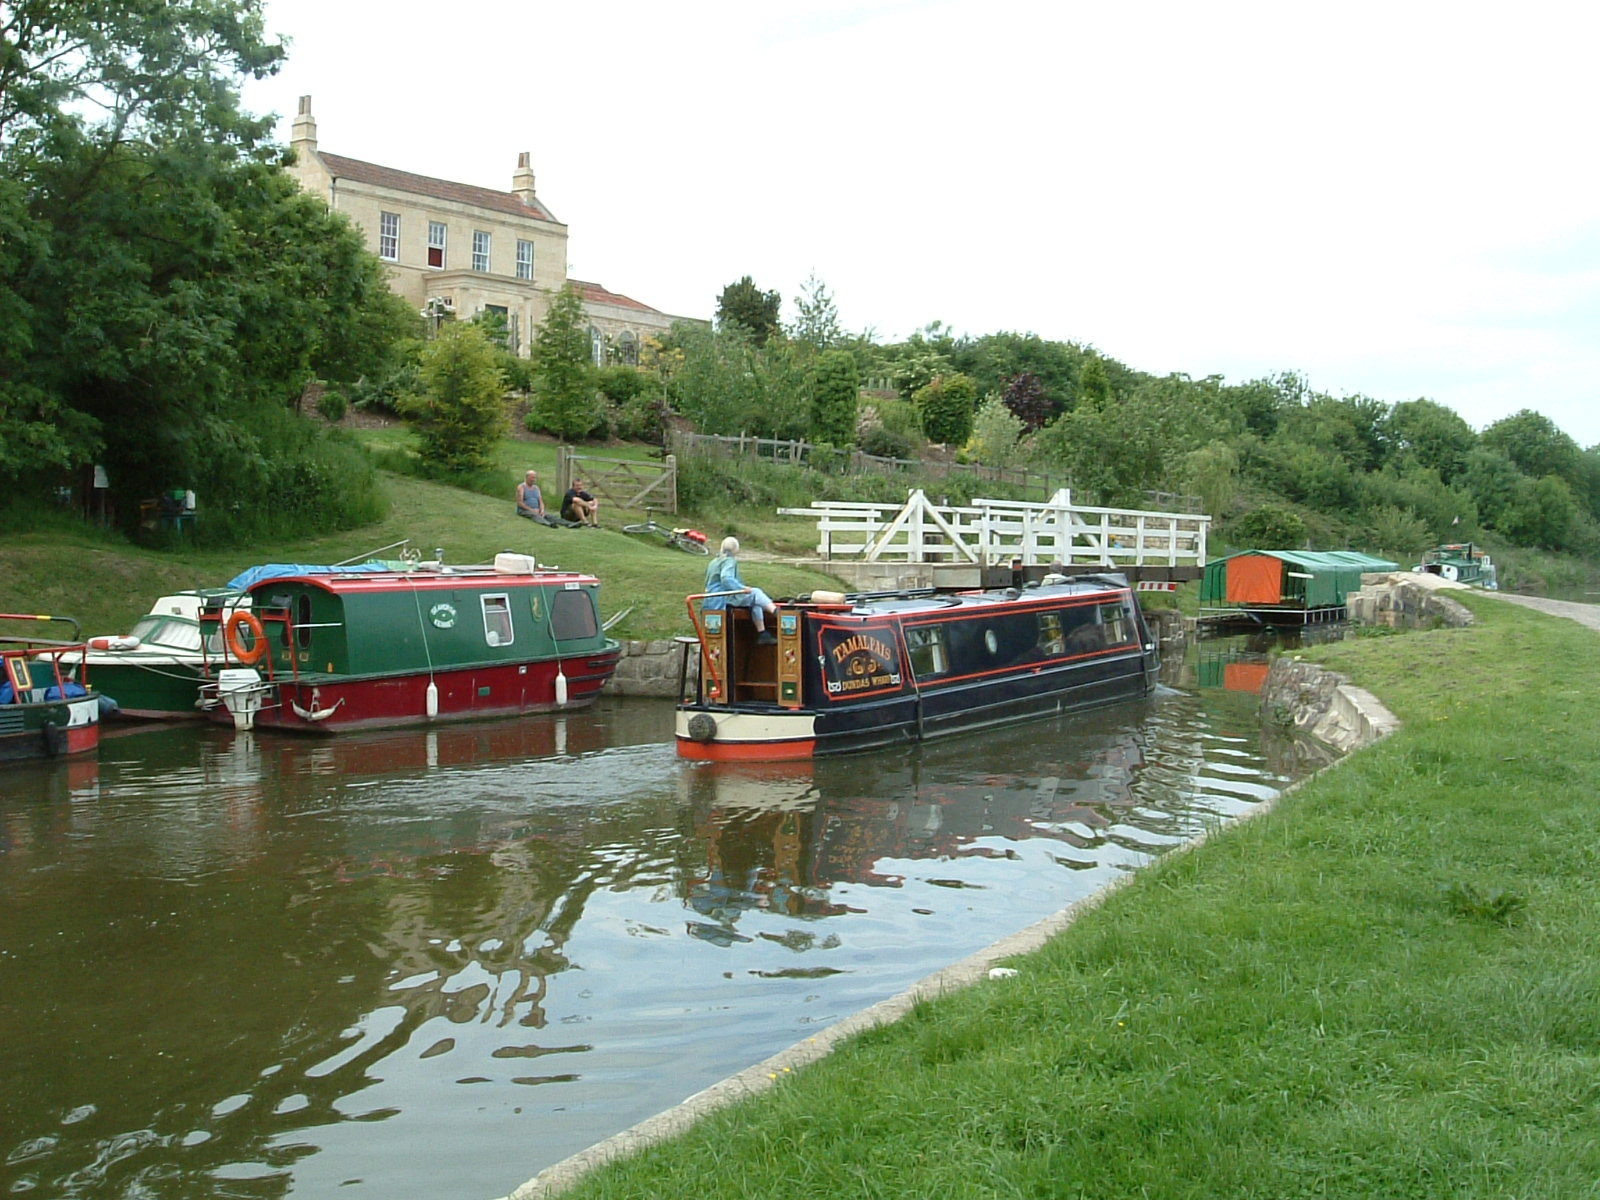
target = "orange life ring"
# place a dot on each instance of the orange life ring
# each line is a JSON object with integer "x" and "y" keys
{"x": 258, "y": 643}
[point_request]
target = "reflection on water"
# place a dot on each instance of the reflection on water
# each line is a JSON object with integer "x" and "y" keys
{"x": 433, "y": 963}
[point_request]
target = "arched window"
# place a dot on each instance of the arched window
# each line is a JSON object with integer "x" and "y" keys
{"x": 597, "y": 346}
{"x": 627, "y": 348}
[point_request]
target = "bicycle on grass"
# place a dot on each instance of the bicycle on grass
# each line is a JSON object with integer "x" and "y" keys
{"x": 690, "y": 541}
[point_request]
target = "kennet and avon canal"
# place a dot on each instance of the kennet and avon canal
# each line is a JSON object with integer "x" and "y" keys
{"x": 432, "y": 963}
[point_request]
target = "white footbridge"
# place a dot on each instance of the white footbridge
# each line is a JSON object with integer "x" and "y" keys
{"x": 991, "y": 533}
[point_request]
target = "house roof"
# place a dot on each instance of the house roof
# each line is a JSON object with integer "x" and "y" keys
{"x": 437, "y": 189}
{"x": 594, "y": 293}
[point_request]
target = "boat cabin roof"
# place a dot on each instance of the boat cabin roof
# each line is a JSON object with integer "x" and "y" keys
{"x": 485, "y": 578}
{"x": 924, "y": 600}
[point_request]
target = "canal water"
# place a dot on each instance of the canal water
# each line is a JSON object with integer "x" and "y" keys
{"x": 430, "y": 964}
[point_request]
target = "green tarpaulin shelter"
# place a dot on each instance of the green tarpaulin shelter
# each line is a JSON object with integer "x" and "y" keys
{"x": 1286, "y": 579}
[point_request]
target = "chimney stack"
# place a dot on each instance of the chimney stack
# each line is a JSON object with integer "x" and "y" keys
{"x": 303, "y": 136}
{"x": 522, "y": 180}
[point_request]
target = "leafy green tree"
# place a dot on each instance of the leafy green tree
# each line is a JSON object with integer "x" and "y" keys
{"x": 714, "y": 386}
{"x": 1212, "y": 473}
{"x": 565, "y": 400}
{"x": 164, "y": 284}
{"x": 461, "y": 412}
{"x": 1094, "y": 385}
{"x": 833, "y": 399}
{"x": 1542, "y": 512}
{"x": 919, "y": 360}
{"x": 996, "y": 430}
{"x": 746, "y": 305}
{"x": 1399, "y": 533}
{"x": 1267, "y": 527}
{"x": 782, "y": 379}
{"x": 1433, "y": 435}
{"x": 1351, "y": 428}
{"x": 996, "y": 359}
{"x": 1492, "y": 480}
{"x": 948, "y": 406}
{"x": 817, "y": 316}
{"x": 1534, "y": 443}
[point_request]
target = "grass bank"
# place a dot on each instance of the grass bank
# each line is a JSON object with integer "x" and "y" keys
{"x": 1385, "y": 987}
{"x": 97, "y": 577}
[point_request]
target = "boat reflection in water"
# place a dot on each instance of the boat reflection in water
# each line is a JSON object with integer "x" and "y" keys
{"x": 433, "y": 962}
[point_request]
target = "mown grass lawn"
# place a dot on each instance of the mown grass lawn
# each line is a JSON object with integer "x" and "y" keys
{"x": 1384, "y": 987}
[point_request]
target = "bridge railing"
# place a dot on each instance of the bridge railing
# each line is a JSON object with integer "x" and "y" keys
{"x": 995, "y": 532}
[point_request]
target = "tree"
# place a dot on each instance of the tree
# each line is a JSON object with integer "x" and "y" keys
{"x": 996, "y": 359}
{"x": 948, "y": 406}
{"x": 833, "y": 399}
{"x": 1094, "y": 385}
{"x": 1537, "y": 447}
{"x": 746, "y": 305}
{"x": 1268, "y": 527}
{"x": 817, "y": 317}
{"x": 461, "y": 412}
{"x": 714, "y": 385}
{"x": 1434, "y": 435}
{"x": 564, "y": 397}
{"x": 1025, "y": 397}
{"x": 166, "y": 288}
{"x": 995, "y": 432}
{"x": 1212, "y": 472}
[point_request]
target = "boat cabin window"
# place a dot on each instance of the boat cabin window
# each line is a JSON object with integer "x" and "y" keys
{"x": 925, "y": 645}
{"x": 302, "y": 620}
{"x": 1052, "y": 642}
{"x": 497, "y": 620}
{"x": 572, "y": 616}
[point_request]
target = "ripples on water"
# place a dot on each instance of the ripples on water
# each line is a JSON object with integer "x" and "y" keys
{"x": 433, "y": 963}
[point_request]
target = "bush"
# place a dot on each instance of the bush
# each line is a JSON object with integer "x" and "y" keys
{"x": 1268, "y": 527}
{"x": 883, "y": 442}
{"x": 332, "y": 405}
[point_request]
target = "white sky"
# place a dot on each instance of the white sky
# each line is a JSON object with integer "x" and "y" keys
{"x": 1397, "y": 199}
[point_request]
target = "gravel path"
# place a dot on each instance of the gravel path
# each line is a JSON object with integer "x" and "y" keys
{"x": 1584, "y": 614}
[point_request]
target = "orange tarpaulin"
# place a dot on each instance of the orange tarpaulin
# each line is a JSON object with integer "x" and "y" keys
{"x": 1245, "y": 677}
{"x": 1255, "y": 579}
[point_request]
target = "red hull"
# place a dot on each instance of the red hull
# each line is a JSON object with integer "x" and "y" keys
{"x": 753, "y": 752}
{"x": 397, "y": 701}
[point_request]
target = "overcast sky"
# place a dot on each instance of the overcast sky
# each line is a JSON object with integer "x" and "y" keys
{"x": 1394, "y": 199}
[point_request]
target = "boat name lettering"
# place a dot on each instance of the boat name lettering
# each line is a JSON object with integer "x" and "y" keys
{"x": 859, "y": 665}
{"x": 443, "y": 615}
{"x": 862, "y": 643}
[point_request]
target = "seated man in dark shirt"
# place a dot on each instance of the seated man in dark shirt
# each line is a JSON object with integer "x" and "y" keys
{"x": 578, "y": 505}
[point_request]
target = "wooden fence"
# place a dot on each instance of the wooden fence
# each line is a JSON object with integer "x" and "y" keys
{"x": 860, "y": 463}
{"x": 620, "y": 482}
{"x": 998, "y": 532}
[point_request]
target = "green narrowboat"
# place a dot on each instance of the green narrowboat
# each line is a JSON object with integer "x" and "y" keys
{"x": 322, "y": 653}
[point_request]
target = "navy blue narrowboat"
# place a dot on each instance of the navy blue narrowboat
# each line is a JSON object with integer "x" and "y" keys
{"x": 851, "y": 672}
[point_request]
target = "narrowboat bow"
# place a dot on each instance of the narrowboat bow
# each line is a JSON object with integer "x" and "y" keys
{"x": 851, "y": 672}
{"x": 320, "y": 653}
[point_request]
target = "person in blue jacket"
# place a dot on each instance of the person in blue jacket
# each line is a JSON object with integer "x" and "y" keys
{"x": 727, "y": 590}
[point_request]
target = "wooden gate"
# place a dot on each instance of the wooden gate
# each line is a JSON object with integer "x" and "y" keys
{"x": 620, "y": 482}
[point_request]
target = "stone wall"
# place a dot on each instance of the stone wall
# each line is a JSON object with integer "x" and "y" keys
{"x": 1324, "y": 704}
{"x": 647, "y": 668}
{"x": 1407, "y": 600}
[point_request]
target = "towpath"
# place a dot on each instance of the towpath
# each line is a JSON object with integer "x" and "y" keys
{"x": 1584, "y": 614}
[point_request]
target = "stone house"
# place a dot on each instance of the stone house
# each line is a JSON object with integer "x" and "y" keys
{"x": 456, "y": 249}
